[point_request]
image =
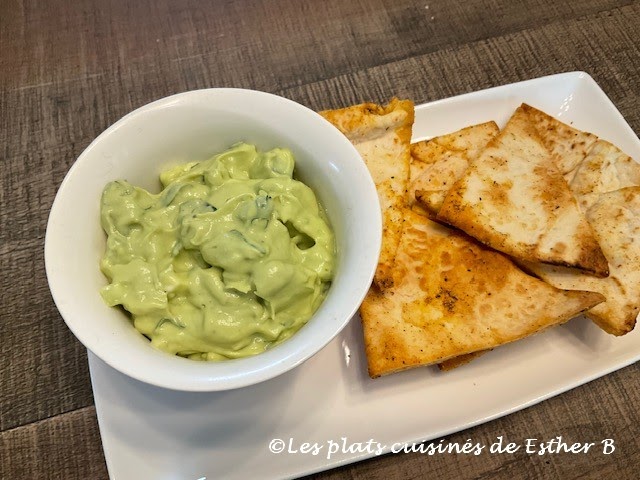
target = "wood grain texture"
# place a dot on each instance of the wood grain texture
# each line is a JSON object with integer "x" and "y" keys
{"x": 65, "y": 446}
{"x": 69, "y": 69}
{"x": 573, "y": 44}
{"x": 249, "y": 43}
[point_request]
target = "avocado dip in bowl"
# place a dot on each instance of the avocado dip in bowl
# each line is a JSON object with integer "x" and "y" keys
{"x": 245, "y": 205}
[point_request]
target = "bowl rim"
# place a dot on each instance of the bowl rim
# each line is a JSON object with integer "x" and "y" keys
{"x": 279, "y": 364}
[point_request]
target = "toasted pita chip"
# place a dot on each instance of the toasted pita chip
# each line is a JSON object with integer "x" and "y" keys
{"x": 436, "y": 164}
{"x": 382, "y": 136}
{"x": 430, "y": 188}
{"x": 459, "y": 361}
{"x": 513, "y": 198}
{"x": 453, "y": 296}
{"x": 605, "y": 169}
{"x": 615, "y": 217}
{"x": 423, "y": 155}
{"x": 469, "y": 140}
{"x": 567, "y": 145}
{"x": 429, "y": 153}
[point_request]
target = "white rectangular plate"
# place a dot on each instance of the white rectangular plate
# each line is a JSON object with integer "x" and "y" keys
{"x": 148, "y": 432}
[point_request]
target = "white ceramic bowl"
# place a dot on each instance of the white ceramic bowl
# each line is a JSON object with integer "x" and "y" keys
{"x": 193, "y": 126}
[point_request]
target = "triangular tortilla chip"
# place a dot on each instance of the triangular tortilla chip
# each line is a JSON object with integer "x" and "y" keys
{"x": 605, "y": 169}
{"x": 430, "y": 188}
{"x": 436, "y": 164}
{"x": 615, "y": 216}
{"x": 567, "y": 145}
{"x": 513, "y": 198}
{"x": 469, "y": 140}
{"x": 382, "y": 136}
{"x": 453, "y": 296}
{"x": 423, "y": 155}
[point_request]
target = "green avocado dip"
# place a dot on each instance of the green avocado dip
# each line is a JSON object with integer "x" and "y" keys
{"x": 231, "y": 258}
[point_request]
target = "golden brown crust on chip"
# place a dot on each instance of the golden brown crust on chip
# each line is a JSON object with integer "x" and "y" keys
{"x": 469, "y": 140}
{"x": 615, "y": 217}
{"x": 513, "y": 198}
{"x": 437, "y": 164}
{"x": 568, "y": 145}
{"x": 434, "y": 180}
{"x": 382, "y": 135}
{"x": 605, "y": 168}
{"x": 461, "y": 360}
{"x": 453, "y": 296}
{"x": 360, "y": 122}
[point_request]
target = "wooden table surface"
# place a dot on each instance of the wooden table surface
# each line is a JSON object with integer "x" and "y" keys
{"x": 70, "y": 69}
